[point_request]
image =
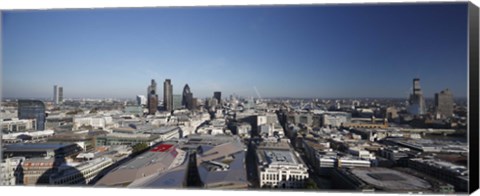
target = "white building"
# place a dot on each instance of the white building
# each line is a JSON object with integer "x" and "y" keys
{"x": 7, "y": 171}
{"x": 17, "y": 125}
{"x": 361, "y": 153}
{"x": 244, "y": 130}
{"x": 280, "y": 168}
{"x": 141, "y": 100}
{"x": 350, "y": 162}
{"x": 96, "y": 122}
{"x": 165, "y": 133}
{"x": 335, "y": 119}
{"x": 215, "y": 127}
{"x": 34, "y": 134}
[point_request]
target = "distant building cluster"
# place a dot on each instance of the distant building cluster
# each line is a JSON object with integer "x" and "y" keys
{"x": 413, "y": 145}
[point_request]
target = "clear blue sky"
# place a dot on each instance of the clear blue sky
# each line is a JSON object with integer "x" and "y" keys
{"x": 294, "y": 51}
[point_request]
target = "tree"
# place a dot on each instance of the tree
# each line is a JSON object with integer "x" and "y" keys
{"x": 139, "y": 147}
{"x": 310, "y": 184}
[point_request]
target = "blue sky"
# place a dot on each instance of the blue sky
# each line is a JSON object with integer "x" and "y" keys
{"x": 287, "y": 51}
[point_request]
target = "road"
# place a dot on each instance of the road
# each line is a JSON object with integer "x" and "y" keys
{"x": 322, "y": 182}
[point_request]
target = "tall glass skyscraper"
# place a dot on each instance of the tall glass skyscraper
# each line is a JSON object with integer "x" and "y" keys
{"x": 168, "y": 95}
{"x": 152, "y": 98}
{"x": 187, "y": 98}
{"x": 32, "y": 109}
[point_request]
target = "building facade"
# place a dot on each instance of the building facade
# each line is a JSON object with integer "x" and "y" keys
{"x": 444, "y": 104}
{"x": 416, "y": 101}
{"x": 218, "y": 96}
{"x": 168, "y": 95}
{"x": 57, "y": 94}
{"x": 32, "y": 109}
{"x": 141, "y": 100}
{"x": 152, "y": 98}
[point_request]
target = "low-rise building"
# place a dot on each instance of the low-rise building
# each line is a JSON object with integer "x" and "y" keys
{"x": 126, "y": 139}
{"x": 143, "y": 170}
{"x": 379, "y": 179}
{"x": 279, "y": 166}
{"x": 453, "y": 174}
{"x": 80, "y": 174}
{"x": 17, "y": 125}
{"x": 10, "y": 171}
{"x": 41, "y": 150}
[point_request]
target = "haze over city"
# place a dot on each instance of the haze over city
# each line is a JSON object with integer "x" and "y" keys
{"x": 296, "y": 51}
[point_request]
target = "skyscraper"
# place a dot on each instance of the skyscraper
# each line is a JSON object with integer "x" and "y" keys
{"x": 60, "y": 94}
{"x": 32, "y": 109}
{"x": 444, "y": 103}
{"x": 57, "y": 94}
{"x": 186, "y": 90}
{"x": 168, "y": 95}
{"x": 152, "y": 100}
{"x": 416, "y": 101}
{"x": 187, "y": 98}
{"x": 218, "y": 95}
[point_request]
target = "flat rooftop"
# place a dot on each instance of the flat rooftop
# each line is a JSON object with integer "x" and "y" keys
{"x": 390, "y": 180}
{"x": 279, "y": 156}
{"x": 35, "y": 146}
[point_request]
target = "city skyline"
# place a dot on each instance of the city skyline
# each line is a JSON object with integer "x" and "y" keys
{"x": 283, "y": 51}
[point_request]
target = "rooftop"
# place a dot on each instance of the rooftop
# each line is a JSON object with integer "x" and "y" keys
{"x": 160, "y": 159}
{"x": 390, "y": 180}
{"x": 36, "y": 146}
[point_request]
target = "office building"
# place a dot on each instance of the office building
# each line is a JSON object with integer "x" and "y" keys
{"x": 152, "y": 98}
{"x": 186, "y": 91}
{"x": 38, "y": 170}
{"x": 80, "y": 174}
{"x": 218, "y": 96}
{"x": 141, "y": 100}
{"x": 32, "y": 109}
{"x": 113, "y": 139}
{"x": 456, "y": 175}
{"x": 41, "y": 150}
{"x": 168, "y": 95}
{"x": 9, "y": 171}
{"x": 187, "y": 98}
{"x": 17, "y": 125}
{"x": 60, "y": 95}
{"x": 335, "y": 119}
{"x": 57, "y": 94}
{"x": 416, "y": 101}
{"x": 177, "y": 102}
{"x": 444, "y": 104}
{"x": 378, "y": 179}
{"x": 279, "y": 167}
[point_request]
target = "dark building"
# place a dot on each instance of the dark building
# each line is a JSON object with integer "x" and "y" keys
{"x": 152, "y": 98}
{"x": 168, "y": 95}
{"x": 186, "y": 91}
{"x": 417, "y": 101}
{"x": 218, "y": 95}
{"x": 444, "y": 103}
{"x": 32, "y": 109}
{"x": 60, "y": 94}
{"x": 41, "y": 150}
{"x": 187, "y": 98}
